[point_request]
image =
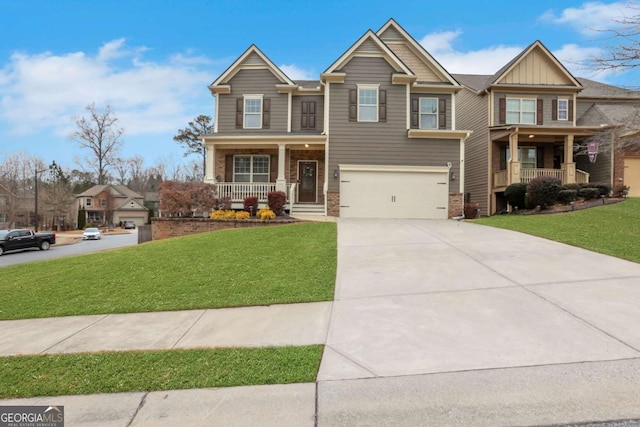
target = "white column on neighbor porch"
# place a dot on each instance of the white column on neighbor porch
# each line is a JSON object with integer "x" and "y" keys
{"x": 568, "y": 167}
{"x": 281, "y": 182}
{"x": 210, "y": 172}
{"x": 514, "y": 164}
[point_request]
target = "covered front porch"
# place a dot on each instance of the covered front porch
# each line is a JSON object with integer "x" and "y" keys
{"x": 522, "y": 154}
{"x": 245, "y": 167}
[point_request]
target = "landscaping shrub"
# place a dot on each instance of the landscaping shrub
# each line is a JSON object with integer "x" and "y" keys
{"x": 223, "y": 203}
{"x": 567, "y": 196}
{"x": 471, "y": 210}
{"x": 242, "y": 215}
{"x": 276, "y": 201}
{"x": 266, "y": 214}
{"x": 604, "y": 188}
{"x": 575, "y": 187}
{"x": 515, "y": 195}
{"x": 223, "y": 214}
{"x": 542, "y": 191}
{"x": 589, "y": 193}
{"x": 620, "y": 190}
{"x": 251, "y": 204}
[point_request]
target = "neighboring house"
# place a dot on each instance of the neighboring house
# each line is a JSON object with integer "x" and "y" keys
{"x": 376, "y": 136}
{"x": 5, "y": 207}
{"x": 534, "y": 107}
{"x": 112, "y": 204}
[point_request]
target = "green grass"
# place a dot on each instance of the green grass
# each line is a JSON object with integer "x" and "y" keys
{"x": 239, "y": 267}
{"x": 612, "y": 229}
{"x": 70, "y": 374}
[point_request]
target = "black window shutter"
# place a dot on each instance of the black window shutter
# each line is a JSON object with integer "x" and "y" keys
{"x": 353, "y": 105}
{"x": 502, "y": 111}
{"x": 304, "y": 115}
{"x": 273, "y": 168}
{"x": 382, "y": 106}
{"x": 266, "y": 112}
{"x": 228, "y": 168}
{"x": 571, "y": 109}
{"x": 540, "y": 158}
{"x": 239, "y": 108}
{"x": 415, "y": 113}
{"x": 539, "y": 112}
{"x": 312, "y": 114}
{"x": 442, "y": 113}
{"x": 554, "y": 109}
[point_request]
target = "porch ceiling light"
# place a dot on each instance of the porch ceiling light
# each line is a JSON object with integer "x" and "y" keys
{"x": 531, "y": 136}
{"x": 306, "y": 145}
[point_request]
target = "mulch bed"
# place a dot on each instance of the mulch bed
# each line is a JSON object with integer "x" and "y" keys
{"x": 577, "y": 205}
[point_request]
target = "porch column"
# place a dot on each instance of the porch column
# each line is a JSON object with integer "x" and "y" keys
{"x": 513, "y": 174}
{"x": 281, "y": 182}
{"x": 568, "y": 167}
{"x": 210, "y": 172}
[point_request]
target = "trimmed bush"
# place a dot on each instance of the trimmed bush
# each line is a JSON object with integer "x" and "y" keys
{"x": 251, "y": 204}
{"x": 603, "y": 187}
{"x": 515, "y": 195}
{"x": 242, "y": 215}
{"x": 567, "y": 196}
{"x": 620, "y": 190}
{"x": 575, "y": 187}
{"x": 276, "y": 201}
{"x": 266, "y": 214}
{"x": 223, "y": 203}
{"x": 542, "y": 191}
{"x": 223, "y": 214}
{"x": 471, "y": 210}
{"x": 589, "y": 193}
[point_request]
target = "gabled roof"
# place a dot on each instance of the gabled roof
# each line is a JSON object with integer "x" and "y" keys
{"x": 612, "y": 114}
{"x": 252, "y": 58}
{"x": 593, "y": 89}
{"x": 418, "y": 50}
{"x": 368, "y": 41}
{"x": 475, "y": 82}
{"x": 116, "y": 191}
{"x": 557, "y": 73}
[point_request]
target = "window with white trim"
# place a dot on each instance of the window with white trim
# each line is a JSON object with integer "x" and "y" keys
{"x": 103, "y": 202}
{"x": 3, "y": 217}
{"x": 367, "y": 103}
{"x": 428, "y": 113}
{"x": 251, "y": 168}
{"x": 563, "y": 109}
{"x": 88, "y": 201}
{"x": 521, "y": 111}
{"x": 253, "y": 111}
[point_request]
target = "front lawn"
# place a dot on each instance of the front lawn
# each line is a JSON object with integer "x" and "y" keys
{"x": 238, "y": 267}
{"x": 612, "y": 229}
{"x": 70, "y": 374}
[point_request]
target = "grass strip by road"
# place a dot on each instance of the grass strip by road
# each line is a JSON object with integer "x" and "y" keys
{"x": 612, "y": 229}
{"x": 229, "y": 268}
{"x": 71, "y": 374}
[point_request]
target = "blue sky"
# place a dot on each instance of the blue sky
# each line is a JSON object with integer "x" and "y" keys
{"x": 152, "y": 60}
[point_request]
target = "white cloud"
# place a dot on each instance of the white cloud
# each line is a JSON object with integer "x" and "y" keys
{"x": 593, "y": 17}
{"x": 43, "y": 91}
{"x": 296, "y": 73}
{"x": 440, "y": 42}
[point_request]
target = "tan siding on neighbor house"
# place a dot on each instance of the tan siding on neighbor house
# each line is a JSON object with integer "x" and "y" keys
{"x": 253, "y": 82}
{"x": 536, "y": 68}
{"x": 381, "y": 143}
{"x": 296, "y": 111}
{"x": 472, "y": 114}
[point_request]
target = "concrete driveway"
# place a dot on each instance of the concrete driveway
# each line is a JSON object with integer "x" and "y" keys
{"x": 460, "y": 323}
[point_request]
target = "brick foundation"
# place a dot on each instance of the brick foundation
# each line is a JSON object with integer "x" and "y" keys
{"x": 456, "y": 202}
{"x": 163, "y": 228}
{"x": 333, "y": 203}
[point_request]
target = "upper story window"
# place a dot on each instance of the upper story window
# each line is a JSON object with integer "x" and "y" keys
{"x": 253, "y": 111}
{"x": 428, "y": 113}
{"x": 367, "y": 103}
{"x": 521, "y": 111}
{"x": 88, "y": 201}
{"x": 251, "y": 168}
{"x": 103, "y": 202}
{"x": 563, "y": 109}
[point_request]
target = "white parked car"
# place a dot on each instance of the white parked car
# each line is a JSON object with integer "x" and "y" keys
{"x": 91, "y": 233}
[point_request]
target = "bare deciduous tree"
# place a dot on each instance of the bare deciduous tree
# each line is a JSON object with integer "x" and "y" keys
{"x": 623, "y": 53}
{"x": 189, "y": 138}
{"x": 99, "y": 133}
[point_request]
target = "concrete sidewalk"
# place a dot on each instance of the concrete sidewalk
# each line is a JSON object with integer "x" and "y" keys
{"x": 434, "y": 323}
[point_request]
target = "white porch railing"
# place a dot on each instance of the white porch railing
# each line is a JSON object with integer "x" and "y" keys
{"x": 582, "y": 177}
{"x": 292, "y": 196}
{"x": 500, "y": 178}
{"x": 237, "y": 191}
{"x": 527, "y": 174}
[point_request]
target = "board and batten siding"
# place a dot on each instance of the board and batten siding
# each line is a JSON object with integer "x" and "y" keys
{"x": 380, "y": 143}
{"x": 472, "y": 113}
{"x": 253, "y": 82}
{"x": 547, "y": 106}
{"x": 296, "y": 111}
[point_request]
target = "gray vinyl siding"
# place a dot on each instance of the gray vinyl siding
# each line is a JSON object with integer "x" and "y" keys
{"x": 296, "y": 111}
{"x": 380, "y": 143}
{"x": 472, "y": 114}
{"x": 547, "y": 101}
{"x": 253, "y": 82}
{"x": 600, "y": 171}
{"x": 446, "y": 97}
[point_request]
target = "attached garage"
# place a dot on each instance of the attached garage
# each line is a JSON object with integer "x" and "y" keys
{"x": 373, "y": 191}
{"x": 632, "y": 175}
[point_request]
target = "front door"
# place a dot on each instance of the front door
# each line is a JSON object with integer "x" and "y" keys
{"x": 307, "y": 177}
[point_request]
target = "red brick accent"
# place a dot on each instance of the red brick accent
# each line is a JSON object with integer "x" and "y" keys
{"x": 163, "y": 228}
{"x": 333, "y": 203}
{"x": 456, "y": 201}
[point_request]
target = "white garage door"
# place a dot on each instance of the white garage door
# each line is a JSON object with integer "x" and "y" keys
{"x": 394, "y": 192}
{"x": 632, "y": 175}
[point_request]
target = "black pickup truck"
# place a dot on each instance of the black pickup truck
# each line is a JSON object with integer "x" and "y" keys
{"x": 21, "y": 239}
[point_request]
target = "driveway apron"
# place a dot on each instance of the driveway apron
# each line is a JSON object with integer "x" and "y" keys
{"x": 426, "y": 297}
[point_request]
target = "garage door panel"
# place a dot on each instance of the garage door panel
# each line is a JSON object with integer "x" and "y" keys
{"x": 632, "y": 175}
{"x": 392, "y": 194}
